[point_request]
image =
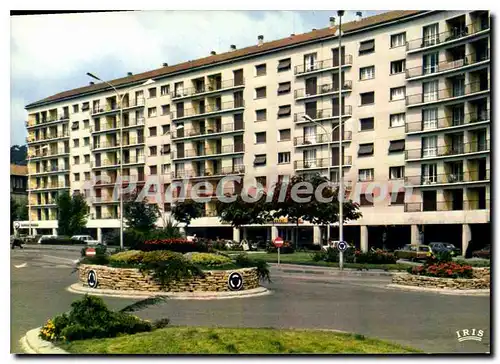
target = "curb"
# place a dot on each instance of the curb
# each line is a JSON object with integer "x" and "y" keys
{"x": 32, "y": 344}
{"x": 255, "y": 292}
{"x": 455, "y": 292}
{"x": 290, "y": 268}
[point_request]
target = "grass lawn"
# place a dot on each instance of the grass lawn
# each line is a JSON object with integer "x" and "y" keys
{"x": 187, "y": 340}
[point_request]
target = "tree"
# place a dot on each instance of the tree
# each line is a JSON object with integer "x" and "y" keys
{"x": 243, "y": 212}
{"x": 22, "y": 209}
{"x": 13, "y": 213}
{"x": 140, "y": 215}
{"x": 186, "y": 211}
{"x": 72, "y": 212}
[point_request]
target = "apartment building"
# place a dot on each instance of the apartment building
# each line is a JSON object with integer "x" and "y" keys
{"x": 18, "y": 182}
{"x": 414, "y": 92}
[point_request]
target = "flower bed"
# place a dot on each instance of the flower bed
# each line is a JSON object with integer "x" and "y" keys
{"x": 443, "y": 270}
{"x": 177, "y": 245}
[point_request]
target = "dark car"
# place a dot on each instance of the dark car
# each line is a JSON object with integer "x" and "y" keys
{"x": 438, "y": 247}
{"x": 484, "y": 253}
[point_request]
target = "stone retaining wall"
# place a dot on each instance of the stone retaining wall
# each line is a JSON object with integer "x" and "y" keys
{"x": 480, "y": 280}
{"x": 131, "y": 279}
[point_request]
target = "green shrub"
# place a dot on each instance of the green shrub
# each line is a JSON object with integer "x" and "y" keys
{"x": 176, "y": 267}
{"x": 318, "y": 256}
{"x": 59, "y": 240}
{"x": 244, "y": 261}
{"x": 209, "y": 259}
{"x": 160, "y": 256}
{"x": 161, "y": 323}
{"x": 129, "y": 256}
{"x": 376, "y": 257}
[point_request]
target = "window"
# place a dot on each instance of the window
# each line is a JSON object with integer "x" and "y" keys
{"x": 86, "y": 124}
{"x": 260, "y": 70}
{"x": 284, "y": 135}
{"x": 284, "y": 111}
{"x": 260, "y": 160}
{"x": 398, "y": 93}
{"x": 261, "y": 115}
{"x": 398, "y": 198}
{"x": 152, "y": 112}
{"x": 429, "y": 173}
{"x": 152, "y": 131}
{"x": 260, "y": 92}
{"x": 429, "y": 146}
{"x": 152, "y": 151}
{"x": 85, "y": 106}
{"x": 284, "y": 88}
{"x": 430, "y": 62}
{"x": 397, "y": 172}
{"x": 367, "y": 98}
{"x": 310, "y": 62}
{"x": 152, "y": 92}
{"x": 165, "y": 109}
{"x": 165, "y": 90}
{"x": 365, "y": 149}
{"x": 260, "y": 137}
{"x": 76, "y": 143}
{"x": 366, "y": 123}
{"x": 396, "y": 146}
{"x": 165, "y": 149}
{"x": 76, "y": 176}
{"x": 429, "y": 117}
{"x": 165, "y": 129}
{"x": 365, "y": 175}
{"x": 284, "y": 65}
{"x": 309, "y": 158}
{"x": 153, "y": 170}
{"x": 86, "y": 158}
{"x": 284, "y": 158}
{"x": 397, "y": 120}
{"x": 76, "y": 160}
{"x": 397, "y": 66}
{"x": 86, "y": 141}
{"x": 367, "y": 47}
{"x": 75, "y": 108}
{"x": 398, "y": 40}
{"x": 431, "y": 36}
{"x": 86, "y": 175}
{"x": 430, "y": 91}
{"x": 261, "y": 180}
{"x": 166, "y": 168}
{"x": 366, "y": 199}
{"x": 75, "y": 125}
{"x": 367, "y": 73}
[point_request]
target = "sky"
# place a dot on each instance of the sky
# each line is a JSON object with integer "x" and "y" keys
{"x": 53, "y": 53}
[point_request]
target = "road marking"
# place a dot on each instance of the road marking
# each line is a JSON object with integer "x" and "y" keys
{"x": 21, "y": 265}
{"x": 66, "y": 259}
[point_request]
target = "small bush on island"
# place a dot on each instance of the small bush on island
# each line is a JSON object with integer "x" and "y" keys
{"x": 210, "y": 260}
{"x": 443, "y": 270}
{"x": 377, "y": 257}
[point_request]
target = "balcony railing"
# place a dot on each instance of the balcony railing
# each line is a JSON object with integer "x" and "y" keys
{"x": 447, "y": 122}
{"x": 211, "y": 87}
{"x": 209, "y": 173}
{"x": 106, "y": 144}
{"x": 49, "y": 169}
{"x": 186, "y": 133}
{"x": 48, "y": 136}
{"x": 225, "y": 106}
{"x": 51, "y": 119}
{"x": 133, "y": 141}
{"x": 190, "y": 153}
{"x": 447, "y": 65}
{"x": 323, "y": 113}
{"x": 321, "y": 138}
{"x": 116, "y": 106}
{"x": 45, "y": 186}
{"x": 104, "y": 163}
{"x": 448, "y": 150}
{"x": 465, "y": 205}
{"x": 322, "y": 162}
{"x": 322, "y": 89}
{"x": 215, "y": 193}
{"x": 447, "y": 93}
{"x": 47, "y": 153}
{"x": 112, "y": 180}
{"x": 323, "y": 65}
{"x": 471, "y": 176}
{"x": 447, "y": 36}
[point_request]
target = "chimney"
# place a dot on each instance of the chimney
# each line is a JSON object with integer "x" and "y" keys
{"x": 213, "y": 53}
{"x": 332, "y": 21}
{"x": 359, "y": 15}
{"x": 165, "y": 64}
{"x": 233, "y": 47}
{"x": 292, "y": 35}
{"x": 313, "y": 29}
{"x": 129, "y": 73}
{"x": 91, "y": 82}
{"x": 260, "y": 39}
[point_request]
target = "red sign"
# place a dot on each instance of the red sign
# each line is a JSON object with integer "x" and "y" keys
{"x": 278, "y": 242}
{"x": 90, "y": 252}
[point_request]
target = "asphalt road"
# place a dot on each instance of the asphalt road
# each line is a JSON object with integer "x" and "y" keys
{"x": 361, "y": 304}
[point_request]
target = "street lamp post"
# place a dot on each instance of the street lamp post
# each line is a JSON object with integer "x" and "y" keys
{"x": 340, "y": 13}
{"x": 148, "y": 82}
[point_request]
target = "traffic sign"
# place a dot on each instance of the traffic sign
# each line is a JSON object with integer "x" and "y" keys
{"x": 278, "y": 242}
{"x": 92, "y": 279}
{"x": 235, "y": 281}
{"x": 342, "y": 246}
{"x": 90, "y": 252}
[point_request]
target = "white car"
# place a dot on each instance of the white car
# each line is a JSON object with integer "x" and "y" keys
{"x": 46, "y": 237}
{"x": 85, "y": 239}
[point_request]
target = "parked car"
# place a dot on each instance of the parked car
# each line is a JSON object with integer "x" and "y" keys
{"x": 484, "y": 253}
{"x": 333, "y": 244}
{"x": 437, "y": 247}
{"x": 45, "y": 237}
{"x": 414, "y": 252}
{"x": 85, "y": 239}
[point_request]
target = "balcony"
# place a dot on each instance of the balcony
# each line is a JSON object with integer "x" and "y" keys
{"x": 468, "y": 61}
{"x": 321, "y": 139}
{"x": 221, "y": 172}
{"x": 105, "y": 145}
{"x": 322, "y": 66}
{"x": 448, "y": 178}
{"x": 322, "y": 114}
{"x": 206, "y": 89}
{"x": 133, "y": 142}
{"x": 46, "y": 153}
{"x": 448, "y": 151}
{"x": 207, "y": 110}
{"x": 105, "y": 200}
{"x": 207, "y": 152}
{"x": 104, "y": 163}
{"x": 207, "y": 131}
{"x": 115, "y": 107}
{"x": 448, "y": 122}
{"x": 322, "y": 163}
{"x": 48, "y": 186}
{"x": 226, "y": 191}
{"x": 446, "y": 38}
{"x": 47, "y": 121}
{"x": 321, "y": 90}
{"x": 433, "y": 206}
{"x": 107, "y": 181}
{"x": 49, "y": 169}
{"x": 447, "y": 94}
{"x": 47, "y": 137}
